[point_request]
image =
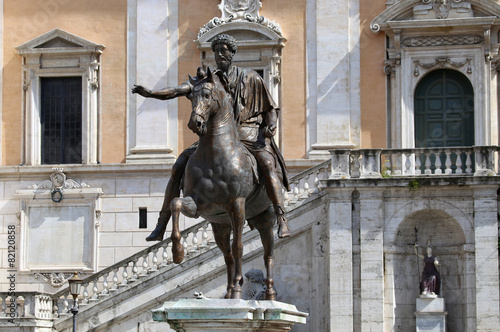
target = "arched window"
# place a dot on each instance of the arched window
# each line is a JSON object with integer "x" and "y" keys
{"x": 444, "y": 110}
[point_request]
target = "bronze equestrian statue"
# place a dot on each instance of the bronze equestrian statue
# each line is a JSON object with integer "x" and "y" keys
{"x": 256, "y": 116}
{"x": 221, "y": 185}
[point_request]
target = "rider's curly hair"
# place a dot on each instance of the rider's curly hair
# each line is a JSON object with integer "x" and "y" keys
{"x": 225, "y": 39}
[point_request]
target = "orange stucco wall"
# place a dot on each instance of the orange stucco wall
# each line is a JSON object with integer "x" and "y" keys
{"x": 290, "y": 14}
{"x": 373, "y": 79}
{"x": 101, "y": 22}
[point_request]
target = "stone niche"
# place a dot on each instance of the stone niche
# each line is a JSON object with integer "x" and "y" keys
{"x": 59, "y": 220}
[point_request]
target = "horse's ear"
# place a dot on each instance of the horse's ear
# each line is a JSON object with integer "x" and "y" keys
{"x": 191, "y": 80}
{"x": 209, "y": 75}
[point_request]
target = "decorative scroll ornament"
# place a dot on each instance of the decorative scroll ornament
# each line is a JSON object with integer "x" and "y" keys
{"x": 58, "y": 181}
{"x": 442, "y": 62}
{"x": 240, "y": 10}
{"x": 55, "y": 279}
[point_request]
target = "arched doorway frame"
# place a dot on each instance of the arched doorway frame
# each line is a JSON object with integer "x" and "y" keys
{"x": 466, "y": 114}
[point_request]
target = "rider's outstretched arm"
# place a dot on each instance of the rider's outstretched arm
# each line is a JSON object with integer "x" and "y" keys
{"x": 164, "y": 94}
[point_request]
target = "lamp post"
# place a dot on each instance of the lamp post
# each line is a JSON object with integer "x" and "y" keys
{"x": 75, "y": 283}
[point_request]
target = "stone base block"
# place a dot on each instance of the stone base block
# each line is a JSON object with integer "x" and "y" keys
{"x": 199, "y": 315}
{"x": 430, "y": 315}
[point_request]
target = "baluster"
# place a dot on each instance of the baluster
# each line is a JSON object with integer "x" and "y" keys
{"x": 305, "y": 192}
{"x": 286, "y": 199}
{"x": 65, "y": 308}
{"x": 317, "y": 182}
{"x": 397, "y": 163}
{"x": 154, "y": 260}
{"x": 145, "y": 266}
{"x": 95, "y": 292}
{"x": 135, "y": 270}
{"x": 115, "y": 280}
{"x": 124, "y": 276}
{"x": 387, "y": 168}
{"x": 468, "y": 163}
{"x": 427, "y": 163}
{"x": 164, "y": 255}
{"x": 194, "y": 241}
{"x": 296, "y": 193}
{"x": 105, "y": 286}
{"x": 459, "y": 163}
{"x": 204, "y": 237}
{"x": 185, "y": 244}
{"x": 85, "y": 300}
{"x": 438, "y": 169}
{"x": 447, "y": 163}
{"x": 418, "y": 165}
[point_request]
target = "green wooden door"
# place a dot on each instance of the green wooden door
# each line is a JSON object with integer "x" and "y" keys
{"x": 444, "y": 110}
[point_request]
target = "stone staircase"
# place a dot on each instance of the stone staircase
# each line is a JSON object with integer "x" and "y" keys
{"x": 143, "y": 281}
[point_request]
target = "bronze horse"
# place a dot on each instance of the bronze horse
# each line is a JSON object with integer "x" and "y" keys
{"x": 219, "y": 183}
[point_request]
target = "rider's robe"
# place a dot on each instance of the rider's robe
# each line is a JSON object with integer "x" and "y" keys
{"x": 251, "y": 100}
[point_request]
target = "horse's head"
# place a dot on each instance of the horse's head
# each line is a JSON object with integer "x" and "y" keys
{"x": 206, "y": 97}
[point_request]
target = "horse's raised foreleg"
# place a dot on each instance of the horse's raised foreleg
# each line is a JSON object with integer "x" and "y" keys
{"x": 188, "y": 207}
{"x": 236, "y": 211}
{"x": 222, "y": 234}
{"x": 264, "y": 223}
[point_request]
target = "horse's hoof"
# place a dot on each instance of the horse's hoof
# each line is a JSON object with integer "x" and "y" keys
{"x": 178, "y": 253}
{"x": 228, "y": 294}
{"x": 236, "y": 294}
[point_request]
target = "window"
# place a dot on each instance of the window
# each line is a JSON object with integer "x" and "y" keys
{"x": 61, "y": 120}
{"x": 60, "y": 103}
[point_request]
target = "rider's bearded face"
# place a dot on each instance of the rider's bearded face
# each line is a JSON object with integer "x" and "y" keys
{"x": 223, "y": 57}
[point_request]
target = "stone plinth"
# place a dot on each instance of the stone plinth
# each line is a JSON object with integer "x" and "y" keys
{"x": 430, "y": 315}
{"x": 198, "y": 315}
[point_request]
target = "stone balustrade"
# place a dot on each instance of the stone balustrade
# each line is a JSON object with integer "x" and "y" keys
{"x": 25, "y": 305}
{"x": 379, "y": 163}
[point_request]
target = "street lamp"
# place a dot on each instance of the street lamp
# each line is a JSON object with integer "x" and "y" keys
{"x": 75, "y": 283}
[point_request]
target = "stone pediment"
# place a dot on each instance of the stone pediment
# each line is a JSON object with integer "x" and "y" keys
{"x": 437, "y": 13}
{"x": 58, "y": 40}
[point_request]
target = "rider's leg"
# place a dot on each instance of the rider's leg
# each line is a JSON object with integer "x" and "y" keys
{"x": 172, "y": 191}
{"x": 274, "y": 189}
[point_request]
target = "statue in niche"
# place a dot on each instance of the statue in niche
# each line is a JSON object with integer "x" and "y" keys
{"x": 430, "y": 284}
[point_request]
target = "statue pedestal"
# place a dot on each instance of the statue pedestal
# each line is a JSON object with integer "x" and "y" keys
{"x": 199, "y": 315}
{"x": 430, "y": 314}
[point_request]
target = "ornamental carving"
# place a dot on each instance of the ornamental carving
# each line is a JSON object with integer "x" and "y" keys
{"x": 242, "y": 11}
{"x": 446, "y": 40}
{"x": 55, "y": 279}
{"x": 442, "y": 62}
{"x": 58, "y": 181}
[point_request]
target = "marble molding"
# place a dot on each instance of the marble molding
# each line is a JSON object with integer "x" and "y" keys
{"x": 197, "y": 315}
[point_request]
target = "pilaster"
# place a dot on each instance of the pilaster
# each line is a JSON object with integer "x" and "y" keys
{"x": 340, "y": 261}
{"x": 372, "y": 259}
{"x": 152, "y": 48}
{"x": 334, "y": 77}
{"x": 486, "y": 245}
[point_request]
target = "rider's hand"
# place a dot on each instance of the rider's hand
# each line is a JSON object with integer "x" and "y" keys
{"x": 270, "y": 131}
{"x": 141, "y": 90}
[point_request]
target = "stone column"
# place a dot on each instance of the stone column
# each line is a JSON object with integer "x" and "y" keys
{"x": 340, "y": 259}
{"x": 486, "y": 245}
{"x": 372, "y": 259}
{"x": 152, "y": 48}
{"x": 333, "y": 35}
